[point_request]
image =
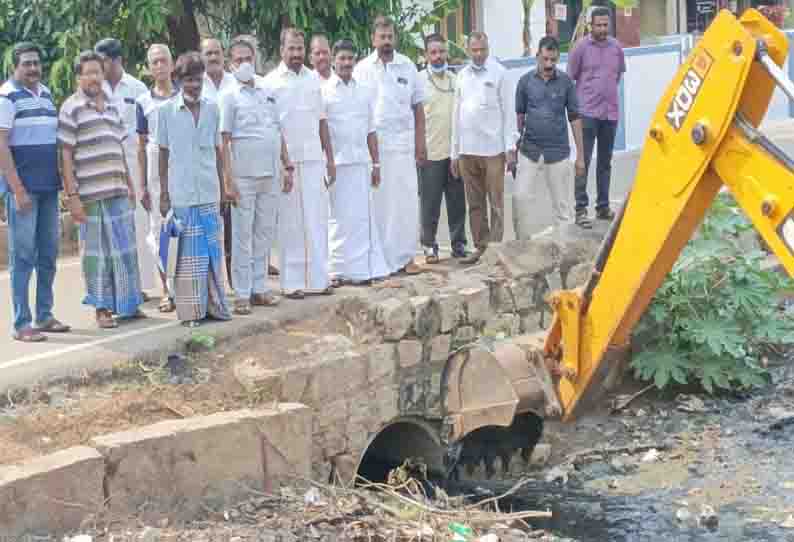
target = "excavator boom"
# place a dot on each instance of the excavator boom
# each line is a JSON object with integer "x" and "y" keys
{"x": 703, "y": 137}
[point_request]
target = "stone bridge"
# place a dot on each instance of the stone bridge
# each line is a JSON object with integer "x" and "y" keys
{"x": 379, "y": 390}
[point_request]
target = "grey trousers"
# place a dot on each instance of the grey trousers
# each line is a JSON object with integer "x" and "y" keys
{"x": 436, "y": 182}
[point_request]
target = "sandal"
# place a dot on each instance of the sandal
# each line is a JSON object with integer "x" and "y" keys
{"x": 338, "y": 282}
{"x": 29, "y": 335}
{"x": 431, "y": 255}
{"x": 104, "y": 319}
{"x": 297, "y": 294}
{"x": 191, "y": 323}
{"x": 167, "y": 305}
{"x": 583, "y": 221}
{"x": 53, "y": 326}
{"x": 242, "y": 307}
{"x": 137, "y": 315}
{"x": 265, "y": 300}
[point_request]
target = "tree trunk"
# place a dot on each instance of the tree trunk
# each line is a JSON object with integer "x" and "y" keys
{"x": 183, "y": 29}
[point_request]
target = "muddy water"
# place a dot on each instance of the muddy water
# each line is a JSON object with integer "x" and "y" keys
{"x": 735, "y": 455}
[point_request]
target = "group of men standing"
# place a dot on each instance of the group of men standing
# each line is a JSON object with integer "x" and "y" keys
{"x": 346, "y": 168}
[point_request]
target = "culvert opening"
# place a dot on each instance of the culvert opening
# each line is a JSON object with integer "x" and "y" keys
{"x": 397, "y": 442}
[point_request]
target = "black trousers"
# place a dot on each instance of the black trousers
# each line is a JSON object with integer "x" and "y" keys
{"x": 601, "y": 132}
{"x": 436, "y": 182}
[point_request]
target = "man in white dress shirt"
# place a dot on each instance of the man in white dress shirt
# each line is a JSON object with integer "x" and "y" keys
{"x": 123, "y": 90}
{"x": 303, "y": 213}
{"x": 483, "y": 142}
{"x": 400, "y": 125}
{"x": 356, "y": 251}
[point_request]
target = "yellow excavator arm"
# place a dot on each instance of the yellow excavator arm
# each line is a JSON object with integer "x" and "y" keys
{"x": 703, "y": 136}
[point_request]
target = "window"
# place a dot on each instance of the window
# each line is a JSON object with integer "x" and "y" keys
{"x": 459, "y": 24}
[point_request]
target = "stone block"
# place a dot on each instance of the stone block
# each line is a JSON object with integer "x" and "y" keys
{"x": 331, "y": 414}
{"x": 255, "y": 378}
{"x": 452, "y": 313}
{"x": 440, "y": 347}
{"x": 382, "y": 361}
{"x": 338, "y": 376}
{"x": 433, "y": 395}
{"x": 412, "y": 397}
{"x": 178, "y": 467}
{"x": 507, "y": 324}
{"x": 33, "y": 494}
{"x": 395, "y": 317}
{"x": 524, "y": 258}
{"x": 410, "y": 353}
{"x": 478, "y": 304}
{"x": 385, "y": 403}
{"x": 462, "y": 336}
{"x": 578, "y": 275}
{"x": 523, "y": 291}
{"x": 530, "y": 322}
{"x": 427, "y": 316}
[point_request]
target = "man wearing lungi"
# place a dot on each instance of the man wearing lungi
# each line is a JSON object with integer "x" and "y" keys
{"x": 303, "y": 215}
{"x": 123, "y": 90}
{"x": 191, "y": 169}
{"x": 356, "y": 251}
{"x": 161, "y": 66}
{"x": 251, "y": 147}
{"x": 101, "y": 196}
{"x": 400, "y": 124}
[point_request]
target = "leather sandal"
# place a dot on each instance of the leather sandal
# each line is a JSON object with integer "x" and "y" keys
{"x": 53, "y": 326}
{"x": 104, "y": 319}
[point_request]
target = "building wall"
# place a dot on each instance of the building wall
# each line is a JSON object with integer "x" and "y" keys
{"x": 653, "y": 17}
{"x": 502, "y": 21}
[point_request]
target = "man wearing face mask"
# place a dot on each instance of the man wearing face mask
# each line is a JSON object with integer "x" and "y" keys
{"x": 191, "y": 173}
{"x": 252, "y": 143}
{"x": 436, "y": 181}
{"x": 303, "y": 213}
{"x": 545, "y": 103}
{"x": 101, "y": 195}
{"x": 320, "y": 56}
{"x": 400, "y": 125}
{"x": 483, "y": 142}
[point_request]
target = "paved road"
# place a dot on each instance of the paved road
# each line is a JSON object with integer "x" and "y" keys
{"x": 88, "y": 347}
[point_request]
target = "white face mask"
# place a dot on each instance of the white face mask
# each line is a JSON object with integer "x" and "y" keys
{"x": 244, "y": 72}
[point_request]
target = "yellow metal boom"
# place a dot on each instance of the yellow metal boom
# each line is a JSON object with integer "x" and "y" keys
{"x": 703, "y": 136}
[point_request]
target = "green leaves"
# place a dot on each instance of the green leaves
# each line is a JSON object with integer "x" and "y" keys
{"x": 716, "y": 312}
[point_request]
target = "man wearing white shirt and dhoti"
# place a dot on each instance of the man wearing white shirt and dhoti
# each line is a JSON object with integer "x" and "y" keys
{"x": 123, "y": 90}
{"x": 161, "y": 67}
{"x": 356, "y": 250}
{"x": 303, "y": 213}
{"x": 483, "y": 142}
{"x": 252, "y": 143}
{"x": 400, "y": 126}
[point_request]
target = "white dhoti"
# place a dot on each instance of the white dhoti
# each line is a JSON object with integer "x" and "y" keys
{"x": 303, "y": 231}
{"x": 354, "y": 241}
{"x": 396, "y": 207}
{"x": 147, "y": 262}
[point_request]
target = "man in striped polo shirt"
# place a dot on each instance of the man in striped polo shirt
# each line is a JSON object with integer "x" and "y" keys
{"x": 100, "y": 193}
{"x": 29, "y": 163}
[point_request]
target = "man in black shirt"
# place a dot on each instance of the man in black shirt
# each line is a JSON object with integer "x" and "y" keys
{"x": 545, "y": 104}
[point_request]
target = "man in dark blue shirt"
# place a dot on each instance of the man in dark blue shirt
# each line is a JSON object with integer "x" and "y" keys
{"x": 545, "y": 104}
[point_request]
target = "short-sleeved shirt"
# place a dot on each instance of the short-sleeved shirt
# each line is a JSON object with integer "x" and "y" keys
{"x": 397, "y": 91}
{"x": 301, "y": 109}
{"x": 212, "y": 92}
{"x": 124, "y": 97}
{"x": 250, "y": 115}
{"x": 192, "y": 161}
{"x": 32, "y": 123}
{"x": 146, "y": 114}
{"x": 350, "y": 109}
{"x": 547, "y": 107}
{"x": 439, "y": 104}
{"x": 97, "y": 138}
{"x": 597, "y": 66}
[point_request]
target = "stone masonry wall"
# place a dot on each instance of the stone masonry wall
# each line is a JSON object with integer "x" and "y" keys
{"x": 356, "y": 388}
